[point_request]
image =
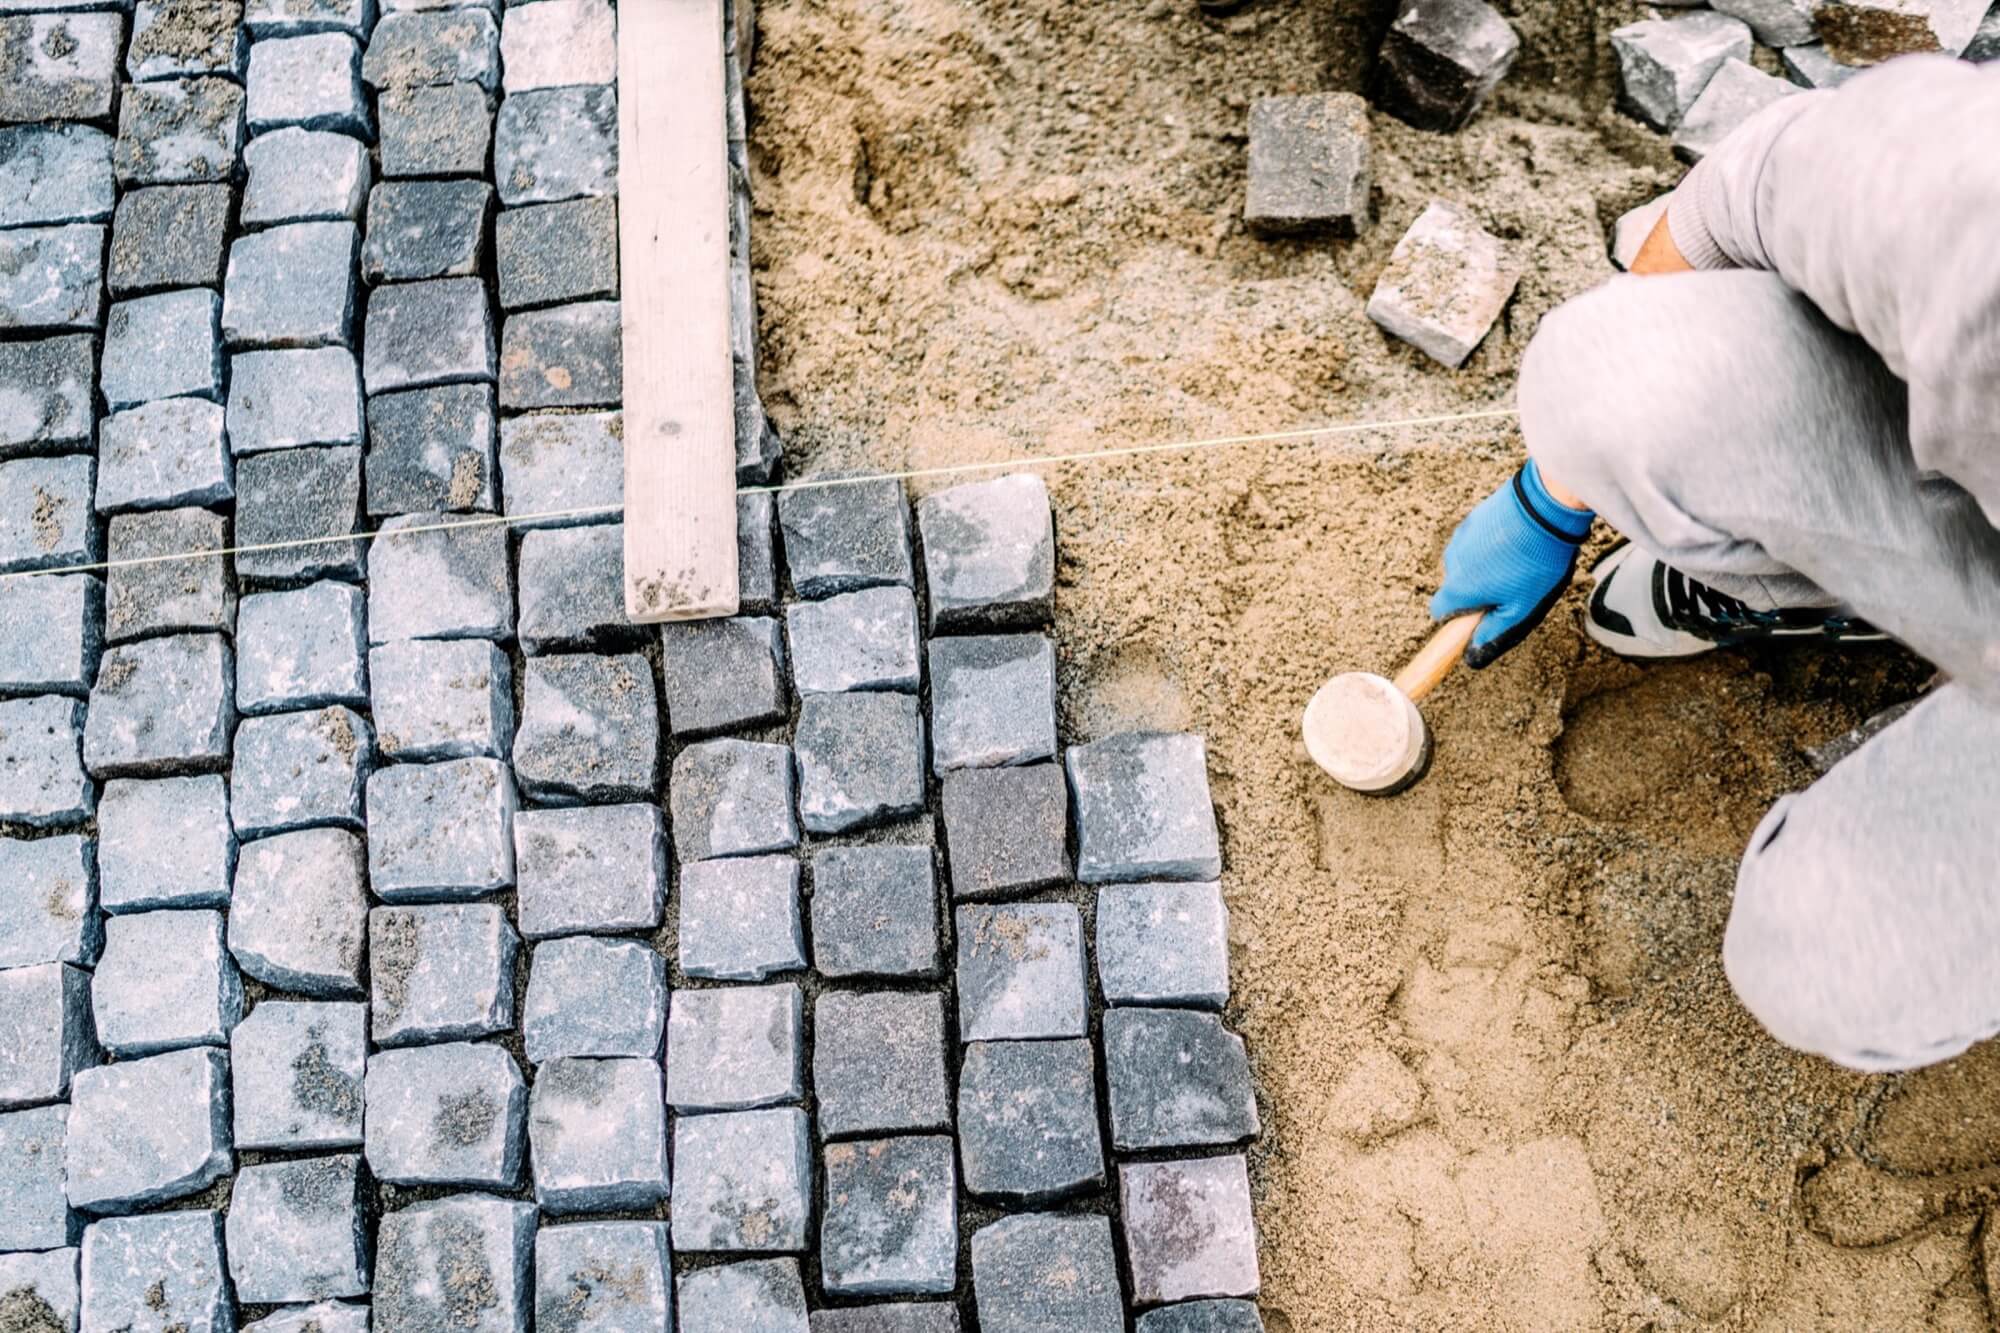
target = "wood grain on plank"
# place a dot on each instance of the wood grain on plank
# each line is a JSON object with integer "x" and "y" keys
{"x": 673, "y": 250}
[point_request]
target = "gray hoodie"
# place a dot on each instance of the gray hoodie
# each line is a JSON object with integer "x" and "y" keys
{"x": 1880, "y": 201}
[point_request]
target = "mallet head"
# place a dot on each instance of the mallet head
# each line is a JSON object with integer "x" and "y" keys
{"x": 1367, "y": 734}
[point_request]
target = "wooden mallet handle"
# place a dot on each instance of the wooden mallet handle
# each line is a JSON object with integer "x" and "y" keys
{"x": 1436, "y": 658}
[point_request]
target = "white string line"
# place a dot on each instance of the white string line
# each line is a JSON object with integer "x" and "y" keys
{"x": 809, "y": 484}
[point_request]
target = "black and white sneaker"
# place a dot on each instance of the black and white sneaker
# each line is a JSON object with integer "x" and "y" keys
{"x": 1643, "y": 607}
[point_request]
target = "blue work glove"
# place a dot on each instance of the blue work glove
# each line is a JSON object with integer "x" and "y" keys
{"x": 1511, "y": 558}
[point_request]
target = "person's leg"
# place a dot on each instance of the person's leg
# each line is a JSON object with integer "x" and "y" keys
{"x": 1720, "y": 422}
{"x": 1866, "y": 926}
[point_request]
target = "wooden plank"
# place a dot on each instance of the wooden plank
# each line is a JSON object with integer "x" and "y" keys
{"x": 673, "y": 252}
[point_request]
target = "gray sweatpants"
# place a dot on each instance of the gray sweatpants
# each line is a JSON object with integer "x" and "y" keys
{"x": 1719, "y": 421}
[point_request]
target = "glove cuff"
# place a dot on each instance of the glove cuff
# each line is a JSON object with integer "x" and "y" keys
{"x": 1556, "y": 518}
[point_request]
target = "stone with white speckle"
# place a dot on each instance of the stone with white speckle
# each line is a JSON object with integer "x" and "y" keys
{"x": 440, "y": 973}
{"x": 891, "y": 1225}
{"x": 564, "y": 356}
{"x": 296, "y": 1074}
{"x": 425, "y": 229}
{"x": 292, "y": 397}
{"x": 723, "y": 675}
{"x": 34, "y": 1211}
{"x": 590, "y": 729}
{"x": 1778, "y": 23}
{"x": 862, "y": 640}
{"x": 52, "y": 174}
{"x": 306, "y": 497}
{"x": 595, "y": 868}
{"x": 993, "y": 701}
{"x": 42, "y": 781}
{"x": 488, "y": 1244}
{"x": 755, "y": 1296}
{"x": 840, "y": 538}
{"x": 151, "y": 596}
{"x": 291, "y": 286}
{"x": 48, "y": 901}
{"x": 298, "y": 1230}
{"x": 451, "y": 584}
{"x": 1038, "y": 1271}
{"x": 161, "y": 706}
{"x": 164, "y": 455}
{"x": 165, "y": 981}
{"x": 1738, "y": 91}
{"x": 604, "y": 1277}
{"x": 302, "y": 648}
{"x": 51, "y": 277}
{"x": 1177, "y": 1078}
{"x": 415, "y": 50}
{"x": 735, "y": 1047}
{"x": 1188, "y": 1229}
{"x": 1664, "y": 63}
{"x": 1005, "y": 830}
{"x": 434, "y": 332}
{"x": 168, "y": 236}
{"x": 442, "y": 699}
{"x": 900, "y": 1317}
{"x": 146, "y": 1131}
{"x": 556, "y": 143}
{"x": 60, "y": 66}
{"x": 1446, "y": 283}
{"x": 598, "y": 1129}
{"x": 573, "y": 591}
{"x": 300, "y": 770}
{"x": 164, "y": 843}
{"x": 46, "y": 1033}
{"x": 164, "y": 346}
{"x": 732, "y": 798}
{"x": 431, "y": 449}
{"x": 46, "y": 1279}
{"x": 442, "y": 130}
{"x": 740, "y": 918}
{"x": 879, "y": 1063}
{"x": 298, "y": 917}
{"x": 451, "y": 1114}
{"x": 1020, "y": 972}
{"x": 1027, "y": 1120}
{"x": 745, "y": 1185}
{"x": 45, "y": 513}
{"x": 594, "y": 997}
{"x": 861, "y": 759}
{"x": 1143, "y": 809}
{"x": 555, "y": 462}
{"x": 299, "y": 175}
{"x": 47, "y": 394}
{"x": 874, "y": 912}
{"x": 154, "y": 1273}
{"x": 51, "y": 633}
{"x": 1163, "y": 944}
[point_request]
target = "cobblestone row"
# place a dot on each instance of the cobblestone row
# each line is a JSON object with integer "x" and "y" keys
{"x": 391, "y": 932}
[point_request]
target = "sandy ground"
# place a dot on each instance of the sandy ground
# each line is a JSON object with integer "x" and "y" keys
{"x": 1504, "y": 1081}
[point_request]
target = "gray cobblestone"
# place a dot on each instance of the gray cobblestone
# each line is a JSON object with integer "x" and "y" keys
{"x": 1664, "y": 63}
{"x": 599, "y": 1133}
{"x": 167, "y": 597}
{"x": 1737, "y": 92}
{"x": 590, "y": 729}
{"x": 573, "y": 590}
{"x": 488, "y": 1246}
{"x": 54, "y": 173}
{"x": 722, "y": 675}
{"x": 1177, "y": 1079}
{"x": 304, "y": 648}
{"x": 291, "y": 286}
{"x": 1020, "y": 972}
{"x": 863, "y": 640}
{"x": 732, "y": 798}
{"x": 299, "y": 495}
{"x": 1027, "y": 1120}
{"x": 551, "y": 253}
{"x": 745, "y": 1185}
{"x": 444, "y": 130}
{"x": 1163, "y": 944}
{"x": 286, "y": 18}
{"x": 178, "y": 132}
{"x": 45, "y": 518}
{"x": 440, "y": 830}
{"x": 1143, "y": 809}
{"x": 989, "y": 554}
{"x": 80, "y": 84}
{"x": 556, "y": 143}
{"x": 163, "y": 455}
{"x": 733, "y": 1048}
{"x": 840, "y": 538}
{"x": 878, "y": 1063}
{"x": 51, "y": 631}
{"x": 425, "y": 229}
{"x": 1308, "y": 164}
{"x": 756, "y": 551}
{"x": 861, "y": 759}
{"x": 601, "y": 868}
{"x": 754, "y": 1296}
{"x": 297, "y": 1231}
{"x": 1188, "y": 1229}
{"x": 298, "y": 919}
{"x": 595, "y": 997}
{"x": 162, "y": 346}
{"x": 1004, "y": 830}
{"x": 993, "y": 701}
{"x": 51, "y": 277}
{"x": 740, "y": 918}
{"x": 323, "y": 1317}
{"x": 304, "y": 176}
{"x": 159, "y": 706}
{"x": 1440, "y": 62}
{"x": 566, "y": 42}
{"x": 42, "y": 782}
{"x": 165, "y": 981}
{"x": 891, "y": 1224}
{"x": 48, "y": 905}
{"x": 313, "y": 82}
{"x": 564, "y": 356}
{"x": 557, "y": 461}
{"x": 168, "y": 236}
{"x": 46, "y": 1035}
{"x": 415, "y": 50}
{"x": 436, "y": 332}
{"x": 51, "y": 391}
{"x": 144, "y": 1132}
{"x": 172, "y": 39}
{"x": 34, "y": 1212}
{"x": 442, "y": 973}
{"x": 442, "y": 699}
{"x": 155, "y": 1273}
{"x": 439, "y": 585}
{"x": 299, "y": 396}
{"x": 874, "y": 912}
{"x": 431, "y": 449}
{"x": 47, "y": 1283}
{"x": 164, "y": 843}
{"x": 604, "y": 1277}
{"x": 296, "y": 1075}
{"x": 901, "y": 1317}
{"x": 446, "y": 1115}
{"x": 1203, "y": 1317}
{"x": 1044, "y": 1271}
{"x": 299, "y": 770}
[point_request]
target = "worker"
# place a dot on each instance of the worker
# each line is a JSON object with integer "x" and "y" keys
{"x": 1791, "y": 412}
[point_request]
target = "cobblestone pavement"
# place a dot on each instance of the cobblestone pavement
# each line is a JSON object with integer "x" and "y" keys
{"x": 391, "y": 930}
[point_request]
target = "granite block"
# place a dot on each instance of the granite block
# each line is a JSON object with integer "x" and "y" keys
{"x": 1020, "y": 972}
{"x": 178, "y": 132}
{"x": 442, "y": 699}
{"x": 735, "y": 1047}
{"x": 599, "y": 1133}
{"x": 1163, "y": 944}
{"x": 601, "y": 868}
{"x": 165, "y": 981}
{"x": 565, "y": 356}
{"x": 47, "y": 395}
{"x": 164, "y": 843}
{"x": 299, "y": 770}
{"x": 164, "y": 455}
{"x": 1004, "y": 829}
{"x": 486, "y": 1244}
{"x": 754, "y": 1296}
{"x": 169, "y": 236}
{"x": 861, "y": 760}
{"x": 299, "y": 175}
{"x": 555, "y": 144}
{"x": 1143, "y": 809}
{"x": 450, "y": 1114}
{"x": 45, "y": 513}
{"x": 573, "y": 590}
{"x": 54, "y": 173}
{"x": 891, "y": 1225}
{"x": 146, "y": 1131}
{"x": 298, "y": 1231}
{"x": 551, "y": 253}
{"x": 1027, "y": 1120}
{"x": 993, "y": 701}
{"x": 590, "y": 730}
{"x": 594, "y": 997}
{"x": 863, "y": 640}
{"x": 298, "y": 919}
{"x": 300, "y": 396}
{"x": 1188, "y": 1229}
{"x": 441, "y": 130}
{"x": 42, "y": 779}
{"x": 303, "y": 648}
{"x": 732, "y": 798}
{"x": 51, "y": 631}
{"x": 440, "y": 831}
{"x": 296, "y": 1075}
{"x": 425, "y": 229}
{"x": 438, "y": 582}
{"x": 722, "y": 675}
{"x": 431, "y": 450}
{"x": 840, "y": 538}
{"x": 305, "y": 496}
{"x": 59, "y": 66}
{"x": 740, "y": 919}
{"x": 177, "y": 596}
{"x": 604, "y": 1277}
{"x": 874, "y": 912}
{"x": 178, "y": 38}
{"x": 34, "y": 1211}
{"x": 879, "y": 1063}
{"x": 1042, "y": 1271}
{"x": 46, "y": 1034}
{"x": 48, "y": 903}
{"x": 291, "y": 286}
{"x": 162, "y": 346}
{"x": 312, "y": 82}
{"x": 436, "y": 332}
{"x": 150, "y": 1274}
{"x": 745, "y": 1186}
{"x": 556, "y": 464}
{"x": 442, "y": 973}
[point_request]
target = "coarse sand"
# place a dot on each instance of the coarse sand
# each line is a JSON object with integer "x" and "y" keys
{"x": 1504, "y": 1081}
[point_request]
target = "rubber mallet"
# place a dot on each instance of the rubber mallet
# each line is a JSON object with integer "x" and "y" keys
{"x": 1366, "y": 732}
